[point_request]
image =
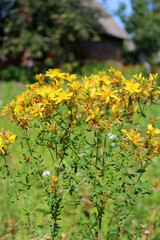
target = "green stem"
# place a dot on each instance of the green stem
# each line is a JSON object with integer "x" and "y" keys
{"x": 140, "y": 175}
{"x": 100, "y": 228}
{"x": 51, "y": 155}
{"x": 39, "y": 176}
{"x": 56, "y": 152}
{"x": 97, "y": 154}
{"x": 57, "y": 159}
{"x": 96, "y": 162}
{"x": 100, "y": 212}
{"x": 59, "y": 166}
{"x": 89, "y": 229}
{"x": 104, "y": 152}
{"x": 26, "y": 138}
{"x": 142, "y": 112}
{"x": 6, "y": 166}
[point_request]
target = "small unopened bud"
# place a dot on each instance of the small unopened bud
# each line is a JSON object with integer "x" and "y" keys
{"x": 54, "y": 179}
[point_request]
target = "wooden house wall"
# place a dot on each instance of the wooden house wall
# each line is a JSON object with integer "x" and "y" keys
{"x": 108, "y": 48}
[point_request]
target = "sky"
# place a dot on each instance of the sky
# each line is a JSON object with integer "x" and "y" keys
{"x": 112, "y": 5}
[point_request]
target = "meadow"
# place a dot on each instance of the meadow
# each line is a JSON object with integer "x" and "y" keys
{"x": 25, "y": 216}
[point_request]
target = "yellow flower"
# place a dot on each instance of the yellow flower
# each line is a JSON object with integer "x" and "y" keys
{"x": 62, "y": 96}
{"x": 108, "y": 94}
{"x": 11, "y": 138}
{"x": 93, "y": 92}
{"x": 105, "y": 79}
{"x": 54, "y": 179}
{"x": 12, "y": 103}
{"x": 1, "y": 140}
{"x": 21, "y": 98}
{"x": 150, "y": 128}
{"x": 5, "y": 139}
{"x": 75, "y": 85}
{"x": 135, "y": 138}
{"x": 132, "y": 86}
{"x": 114, "y": 108}
{"x": 40, "y": 77}
{"x": 37, "y": 109}
{"x": 52, "y": 73}
{"x": 18, "y": 109}
{"x": 157, "y": 131}
{"x": 140, "y": 76}
{"x": 51, "y": 127}
{"x": 42, "y": 91}
{"x": 93, "y": 114}
{"x": 1, "y": 145}
{"x": 155, "y": 144}
{"x": 70, "y": 77}
{"x": 52, "y": 92}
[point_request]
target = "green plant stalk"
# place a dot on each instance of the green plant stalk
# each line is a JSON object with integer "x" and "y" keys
{"x": 54, "y": 204}
{"x": 50, "y": 152}
{"x": 55, "y": 209}
{"x": 99, "y": 228}
{"x": 141, "y": 111}
{"x": 100, "y": 212}
{"x": 104, "y": 152}
{"x": 96, "y": 162}
{"x": 6, "y": 165}
{"x": 29, "y": 148}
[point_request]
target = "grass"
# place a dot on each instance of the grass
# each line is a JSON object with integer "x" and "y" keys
{"x": 146, "y": 210}
{"x": 10, "y": 208}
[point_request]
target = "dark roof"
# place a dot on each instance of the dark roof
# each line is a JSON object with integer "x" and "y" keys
{"x": 108, "y": 24}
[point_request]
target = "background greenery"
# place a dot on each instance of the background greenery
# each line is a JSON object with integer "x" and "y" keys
{"x": 54, "y": 30}
{"x": 143, "y": 25}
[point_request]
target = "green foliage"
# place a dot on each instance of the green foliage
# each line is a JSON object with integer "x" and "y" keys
{"x": 144, "y": 25}
{"x": 48, "y": 29}
{"x": 92, "y": 67}
{"x": 14, "y": 73}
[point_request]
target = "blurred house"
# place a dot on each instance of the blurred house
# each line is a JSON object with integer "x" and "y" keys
{"x": 110, "y": 44}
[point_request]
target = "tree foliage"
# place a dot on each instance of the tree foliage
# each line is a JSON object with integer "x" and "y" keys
{"x": 49, "y": 28}
{"x": 143, "y": 24}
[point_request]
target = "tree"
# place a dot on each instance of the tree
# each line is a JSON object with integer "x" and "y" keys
{"x": 144, "y": 25}
{"x": 48, "y": 28}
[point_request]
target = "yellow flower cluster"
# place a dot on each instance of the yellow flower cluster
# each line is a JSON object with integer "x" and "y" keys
{"x": 99, "y": 100}
{"x": 133, "y": 136}
{"x": 149, "y": 142}
{"x": 5, "y": 139}
{"x": 152, "y": 142}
